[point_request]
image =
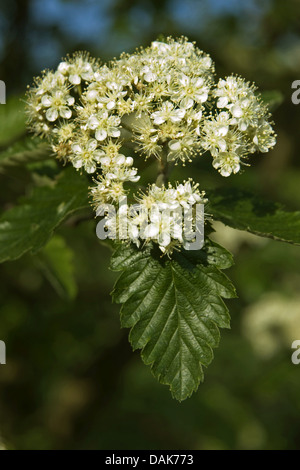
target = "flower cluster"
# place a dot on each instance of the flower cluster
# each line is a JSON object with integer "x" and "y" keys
{"x": 166, "y": 215}
{"x": 239, "y": 127}
{"x": 160, "y": 102}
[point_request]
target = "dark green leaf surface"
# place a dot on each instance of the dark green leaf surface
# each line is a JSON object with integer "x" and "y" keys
{"x": 174, "y": 309}
{"x": 244, "y": 211}
{"x": 24, "y": 151}
{"x": 56, "y": 261}
{"x": 29, "y": 226}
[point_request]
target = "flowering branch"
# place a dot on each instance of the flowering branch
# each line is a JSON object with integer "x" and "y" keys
{"x": 157, "y": 102}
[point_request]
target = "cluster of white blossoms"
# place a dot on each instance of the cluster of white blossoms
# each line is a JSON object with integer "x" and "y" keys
{"x": 166, "y": 215}
{"x": 160, "y": 102}
{"x": 239, "y": 127}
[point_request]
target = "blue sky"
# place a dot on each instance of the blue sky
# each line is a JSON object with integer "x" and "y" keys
{"x": 90, "y": 22}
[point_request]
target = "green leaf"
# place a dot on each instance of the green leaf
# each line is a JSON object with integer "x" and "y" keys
{"x": 29, "y": 226}
{"x": 56, "y": 261}
{"x": 244, "y": 211}
{"x": 24, "y": 151}
{"x": 12, "y": 121}
{"x": 174, "y": 309}
{"x": 272, "y": 98}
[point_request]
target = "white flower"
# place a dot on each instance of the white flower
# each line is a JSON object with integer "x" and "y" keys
{"x": 58, "y": 104}
{"x": 167, "y": 112}
{"x": 163, "y": 226}
{"x": 123, "y": 174}
{"x": 186, "y": 195}
{"x": 227, "y": 163}
{"x": 149, "y": 75}
{"x": 263, "y": 138}
{"x": 86, "y": 155}
{"x": 190, "y": 89}
{"x": 182, "y": 149}
{"x": 77, "y": 69}
{"x": 214, "y": 133}
{"x": 107, "y": 191}
{"x": 104, "y": 125}
{"x": 229, "y": 90}
{"x": 49, "y": 82}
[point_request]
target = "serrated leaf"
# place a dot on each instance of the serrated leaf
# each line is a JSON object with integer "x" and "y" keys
{"x": 29, "y": 226}
{"x": 12, "y": 121}
{"x": 174, "y": 309}
{"x": 24, "y": 151}
{"x": 244, "y": 211}
{"x": 56, "y": 261}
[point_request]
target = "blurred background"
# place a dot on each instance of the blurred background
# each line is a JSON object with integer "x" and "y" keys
{"x": 71, "y": 380}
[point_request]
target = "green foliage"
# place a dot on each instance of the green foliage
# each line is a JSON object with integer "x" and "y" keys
{"x": 13, "y": 121}
{"x": 30, "y": 224}
{"x": 244, "y": 211}
{"x": 174, "y": 309}
{"x": 24, "y": 151}
{"x": 272, "y": 98}
{"x": 56, "y": 261}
